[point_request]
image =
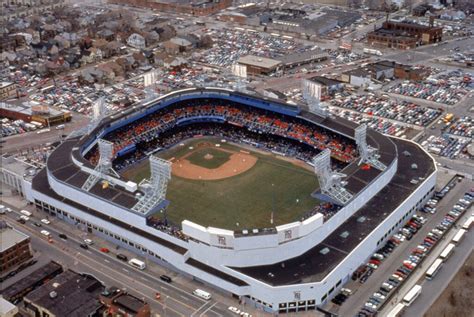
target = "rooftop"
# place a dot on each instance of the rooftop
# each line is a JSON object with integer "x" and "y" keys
{"x": 6, "y": 308}
{"x": 129, "y": 303}
{"x": 30, "y": 108}
{"x": 258, "y": 61}
{"x": 68, "y": 294}
{"x": 325, "y": 81}
{"x": 9, "y": 236}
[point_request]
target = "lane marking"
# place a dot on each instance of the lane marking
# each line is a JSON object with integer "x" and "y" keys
{"x": 105, "y": 260}
{"x": 135, "y": 281}
{"x": 208, "y": 309}
{"x": 124, "y": 269}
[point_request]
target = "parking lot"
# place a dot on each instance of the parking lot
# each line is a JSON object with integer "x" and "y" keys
{"x": 446, "y": 88}
{"x": 384, "y": 107}
{"x": 403, "y": 252}
{"x": 230, "y": 44}
{"x": 446, "y": 146}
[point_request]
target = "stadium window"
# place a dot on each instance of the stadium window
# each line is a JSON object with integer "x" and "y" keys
{"x": 124, "y": 240}
{"x": 101, "y": 230}
{"x": 324, "y": 297}
{"x": 130, "y": 243}
{"x": 94, "y": 227}
{"x": 339, "y": 283}
{"x": 331, "y": 290}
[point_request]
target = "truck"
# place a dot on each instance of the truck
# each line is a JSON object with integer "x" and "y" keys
{"x": 372, "y": 52}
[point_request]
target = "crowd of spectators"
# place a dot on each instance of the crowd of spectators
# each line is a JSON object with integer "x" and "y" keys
{"x": 260, "y": 128}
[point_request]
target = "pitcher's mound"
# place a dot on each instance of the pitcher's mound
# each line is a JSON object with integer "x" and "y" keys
{"x": 208, "y": 156}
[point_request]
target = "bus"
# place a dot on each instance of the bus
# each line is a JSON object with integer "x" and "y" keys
{"x": 412, "y": 295}
{"x": 396, "y": 311}
{"x": 203, "y": 294}
{"x": 458, "y": 237}
{"x": 448, "y": 117}
{"x": 447, "y": 252}
{"x": 25, "y": 212}
{"x": 137, "y": 263}
{"x": 467, "y": 225}
{"x": 434, "y": 269}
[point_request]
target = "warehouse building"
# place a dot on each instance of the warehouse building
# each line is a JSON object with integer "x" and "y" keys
{"x": 7, "y": 90}
{"x": 405, "y": 35}
{"x": 257, "y": 65}
{"x": 33, "y": 111}
{"x": 196, "y": 7}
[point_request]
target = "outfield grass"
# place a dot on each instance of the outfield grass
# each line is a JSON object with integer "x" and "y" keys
{"x": 243, "y": 201}
{"x": 218, "y": 157}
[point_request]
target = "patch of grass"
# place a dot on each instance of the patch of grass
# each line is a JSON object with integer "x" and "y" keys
{"x": 219, "y": 157}
{"x": 242, "y": 201}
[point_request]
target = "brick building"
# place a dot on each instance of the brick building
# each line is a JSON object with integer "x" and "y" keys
{"x": 14, "y": 248}
{"x": 119, "y": 303}
{"x": 7, "y": 90}
{"x": 404, "y": 35}
{"x": 198, "y": 8}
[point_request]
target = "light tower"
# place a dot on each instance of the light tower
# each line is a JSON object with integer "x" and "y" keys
{"x": 240, "y": 71}
{"x": 330, "y": 181}
{"x": 154, "y": 189}
{"x": 312, "y": 94}
{"x": 149, "y": 82}
{"x": 104, "y": 166}
{"x": 368, "y": 154}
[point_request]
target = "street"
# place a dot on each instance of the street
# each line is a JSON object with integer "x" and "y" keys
{"x": 363, "y": 291}
{"x": 176, "y": 297}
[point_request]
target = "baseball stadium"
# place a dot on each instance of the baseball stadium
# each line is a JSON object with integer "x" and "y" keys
{"x": 273, "y": 204}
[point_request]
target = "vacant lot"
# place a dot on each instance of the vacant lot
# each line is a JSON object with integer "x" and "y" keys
{"x": 457, "y": 299}
{"x": 246, "y": 200}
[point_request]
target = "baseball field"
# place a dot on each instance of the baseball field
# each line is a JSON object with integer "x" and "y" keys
{"x": 226, "y": 186}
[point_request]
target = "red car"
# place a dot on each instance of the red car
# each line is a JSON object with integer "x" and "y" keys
{"x": 105, "y": 250}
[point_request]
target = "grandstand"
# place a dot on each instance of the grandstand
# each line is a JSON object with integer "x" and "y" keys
{"x": 281, "y": 264}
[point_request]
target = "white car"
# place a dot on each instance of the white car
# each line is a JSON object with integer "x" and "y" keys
{"x": 234, "y": 309}
{"x": 26, "y": 218}
{"x": 45, "y": 221}
{"x": 45, "y": 233}
{"x": 88, "y": 241}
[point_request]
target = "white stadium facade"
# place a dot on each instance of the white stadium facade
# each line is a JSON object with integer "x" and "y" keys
{"x": 292, "y": 267}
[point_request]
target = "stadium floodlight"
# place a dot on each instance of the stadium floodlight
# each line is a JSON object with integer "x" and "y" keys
{"x": 330, "y": 181}
{"x": 104, "y": 166}
{"x": 154, "y": 189}
{"x": 99, "y": 111}
{"x": 368, "y": 154}
{"x": 240, "y": 71}
{"x": 312, "y": 94}
{"x": 149, "y": 82}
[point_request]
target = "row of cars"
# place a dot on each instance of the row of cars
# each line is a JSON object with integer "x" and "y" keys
{"x": 405, "y": 112}
{"x": 420, "y": 252}
{"x": 375, "y": 301}
{"x": 448, "y": 88}
{"x": 379, "y": 124}
{"x": 463, "y": 126}
{"x": 446, "y": 145}
{"x": 230, "y": 44}
{"x": 12, "y": 127}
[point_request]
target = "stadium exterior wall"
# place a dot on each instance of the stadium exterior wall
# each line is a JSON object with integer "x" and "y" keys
{"x": 257, "y": 289}
{"x": 242, "y": 251}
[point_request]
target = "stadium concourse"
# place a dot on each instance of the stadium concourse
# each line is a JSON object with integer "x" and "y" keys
{"x": 282, "y": 268}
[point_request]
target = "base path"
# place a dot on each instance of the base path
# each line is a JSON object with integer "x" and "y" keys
{"x": 237, "y": 164}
